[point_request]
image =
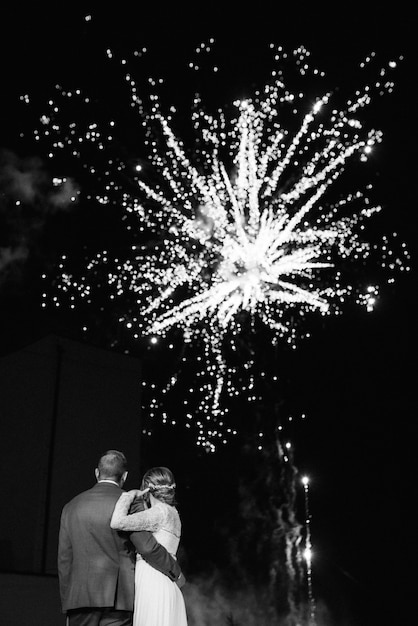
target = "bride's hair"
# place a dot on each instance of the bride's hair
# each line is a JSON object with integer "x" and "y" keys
{"x": 160, "y": 481}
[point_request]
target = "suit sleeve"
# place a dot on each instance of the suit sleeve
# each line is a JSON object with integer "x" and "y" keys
{"x": 65, "y": 557}
{"x": 155, "y": 554}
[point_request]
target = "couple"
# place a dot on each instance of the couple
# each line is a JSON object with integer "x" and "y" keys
{"x": 116, "y": 563}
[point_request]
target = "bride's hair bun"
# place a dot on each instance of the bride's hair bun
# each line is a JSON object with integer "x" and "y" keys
{"x": 160, "y": 481}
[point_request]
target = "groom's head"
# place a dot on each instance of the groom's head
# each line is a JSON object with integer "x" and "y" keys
{"x": 112, "y": 465}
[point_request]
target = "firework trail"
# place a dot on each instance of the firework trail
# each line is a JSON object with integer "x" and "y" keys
{"x": 240, "y": 228}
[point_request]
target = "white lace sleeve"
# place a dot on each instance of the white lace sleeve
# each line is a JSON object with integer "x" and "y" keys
{"x": 150, "y": 519}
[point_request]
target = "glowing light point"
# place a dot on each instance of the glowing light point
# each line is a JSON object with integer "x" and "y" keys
{"x": 307, "y": 555}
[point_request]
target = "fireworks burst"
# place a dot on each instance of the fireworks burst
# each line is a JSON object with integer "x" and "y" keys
{"x": 237, "y": 228}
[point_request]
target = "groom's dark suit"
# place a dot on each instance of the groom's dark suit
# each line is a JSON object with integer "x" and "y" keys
{"x": 95, "y": 563}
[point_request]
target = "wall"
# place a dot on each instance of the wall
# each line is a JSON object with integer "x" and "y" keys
{"x": 62, "y": 403}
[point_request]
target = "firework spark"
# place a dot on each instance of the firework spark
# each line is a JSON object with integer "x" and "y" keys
{"x": 240, "y": 224}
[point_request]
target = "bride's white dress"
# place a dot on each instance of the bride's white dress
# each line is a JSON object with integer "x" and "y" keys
{"x": 158, "y": 601}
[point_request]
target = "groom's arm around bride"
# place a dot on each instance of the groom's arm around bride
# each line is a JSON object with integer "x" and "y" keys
{"x": 151, "y": 551}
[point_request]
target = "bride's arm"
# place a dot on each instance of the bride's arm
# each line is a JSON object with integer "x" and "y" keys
{"x": 150, "y": 519}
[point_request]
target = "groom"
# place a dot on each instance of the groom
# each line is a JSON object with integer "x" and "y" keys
{"x": 95, "y": 563}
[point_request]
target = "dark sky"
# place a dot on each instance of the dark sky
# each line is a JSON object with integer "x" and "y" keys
{"x": 358, "y": 374}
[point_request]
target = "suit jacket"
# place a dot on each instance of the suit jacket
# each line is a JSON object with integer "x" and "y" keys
{"x": 96, "y": 564}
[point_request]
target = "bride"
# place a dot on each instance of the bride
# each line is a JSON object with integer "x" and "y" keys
{"x": 158, "y": 601}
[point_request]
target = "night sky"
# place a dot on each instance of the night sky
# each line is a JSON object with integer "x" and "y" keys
{"x": 356, "y": 377}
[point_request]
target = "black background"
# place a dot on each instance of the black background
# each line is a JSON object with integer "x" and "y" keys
{"x": 357, "y": 375}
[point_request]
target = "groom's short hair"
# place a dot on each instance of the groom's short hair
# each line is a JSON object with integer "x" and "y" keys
{"x": 112, "y": 465}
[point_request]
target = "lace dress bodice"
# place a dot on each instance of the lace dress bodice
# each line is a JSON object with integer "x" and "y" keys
{"x": 161, "y": 519}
